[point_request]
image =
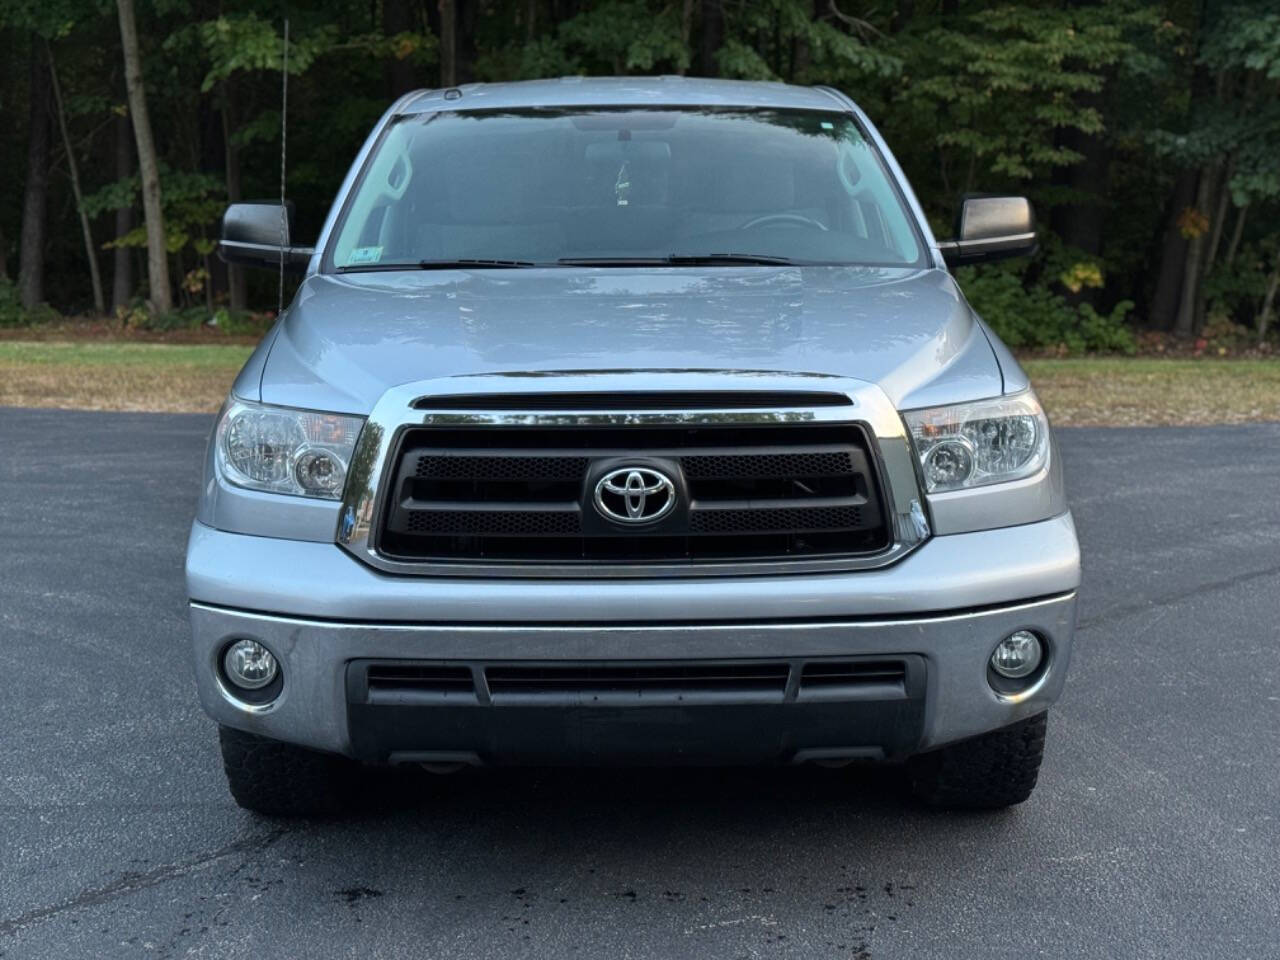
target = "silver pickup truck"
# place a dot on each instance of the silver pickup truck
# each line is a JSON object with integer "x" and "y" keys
{"x": 630, "y": 421}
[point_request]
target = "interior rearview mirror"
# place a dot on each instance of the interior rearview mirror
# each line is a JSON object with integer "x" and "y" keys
{"x": 991, "y": 228}
{"x": 252, "y": 235}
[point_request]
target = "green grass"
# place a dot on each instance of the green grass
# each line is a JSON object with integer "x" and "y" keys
{"x": 1137, "y": 391}
{"x": 1108, "y": 391}
{"x": 106, "y": 353}
{"x": 106, "y": 375}
{"x": 1153, "y": 367}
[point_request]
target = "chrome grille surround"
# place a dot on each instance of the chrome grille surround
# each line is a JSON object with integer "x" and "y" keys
{"x": 410, "y": 405}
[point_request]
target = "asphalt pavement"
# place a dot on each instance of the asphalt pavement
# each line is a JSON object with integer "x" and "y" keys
{"x": 1155, "y": 831}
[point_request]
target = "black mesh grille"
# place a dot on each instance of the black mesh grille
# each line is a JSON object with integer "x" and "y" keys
{"x": 500, "y": 468}
{"x": 767, "y": 466}
{"x": 526, "y": 494}
{"x": 799, "y": 520}
{"x": 496, "y": 523}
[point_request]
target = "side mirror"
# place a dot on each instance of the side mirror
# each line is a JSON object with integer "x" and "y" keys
{"x": 251, "y": 235}
{"x": 991, "y": 228}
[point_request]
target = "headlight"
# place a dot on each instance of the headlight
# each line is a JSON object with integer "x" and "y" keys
{"x": 972, "y": 444}
{"x": 298, "y": 452}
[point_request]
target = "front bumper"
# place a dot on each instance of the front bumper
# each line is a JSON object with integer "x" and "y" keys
{"x": 318, "y": 609}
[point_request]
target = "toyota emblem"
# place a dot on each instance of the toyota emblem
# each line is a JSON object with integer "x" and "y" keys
{"x": 635, "y": 495}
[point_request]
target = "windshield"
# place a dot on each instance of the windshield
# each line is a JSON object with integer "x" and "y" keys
{"x": 566, "y": 187}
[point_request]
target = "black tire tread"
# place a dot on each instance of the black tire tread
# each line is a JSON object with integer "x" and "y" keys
{"x": 282, "y": 780}
{"x": 989, "y": 772}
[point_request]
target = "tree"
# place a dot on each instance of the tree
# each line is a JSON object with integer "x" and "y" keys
{"x": 36, "y": 196}
{"x": 91, "y": 252}
{"x": 122, "y": 256}
{"x": 712, "y": 36}
{"x": 1228, "y": 140}
{"x": 399, "y": 19}
{"x": 448, "y": 42}
{"x": 148, "y": 166}
{"x": 1145, "y": 131}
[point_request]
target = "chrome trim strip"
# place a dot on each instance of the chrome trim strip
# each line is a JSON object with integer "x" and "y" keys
{"x": 869, "y": 408}
{"x": 640, "y": 630}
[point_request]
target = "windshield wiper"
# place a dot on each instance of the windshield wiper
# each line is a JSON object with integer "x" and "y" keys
{"x": 678, "y": 260}
{"x": 464, "y": 264}
{"x": 438, "y": 265}
{"x": 698, "y": 259}
{"x": 613, "y": 261}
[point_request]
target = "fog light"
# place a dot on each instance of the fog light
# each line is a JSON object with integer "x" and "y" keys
{"x": 1017, "y": 655}
{"x": 249, "y": 665}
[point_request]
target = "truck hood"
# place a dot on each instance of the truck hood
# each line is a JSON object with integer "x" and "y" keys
{"x": 348, "y": 338}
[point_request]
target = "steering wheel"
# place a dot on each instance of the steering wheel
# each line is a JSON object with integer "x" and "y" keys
{"x": 796, "y": 219}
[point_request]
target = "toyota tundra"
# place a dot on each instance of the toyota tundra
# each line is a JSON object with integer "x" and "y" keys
{"x": 630, "y": 421}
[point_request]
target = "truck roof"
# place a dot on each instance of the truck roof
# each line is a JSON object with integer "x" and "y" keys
{"x": 622, "y": 92}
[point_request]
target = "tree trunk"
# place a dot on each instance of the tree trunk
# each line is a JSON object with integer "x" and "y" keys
{"x": 902, "y": 14}
{"x": 237, "y": 286}
{"x": 36, "y": 198}
{"x": 1173, "y": 255}
{"x": 433, "y": 22}
{"x": 398, "y": 17}
{"x": 712, "y": 38}
{"x": 1236, "y": 233}
{"x": 464, "y": 47}
{"x": 448, "y": 43}
{"x": 1189, "y": 300}
{"x": 1082, "y": 224}
{"x": 122, "y": 274}
{"x": 1220, "y": 214}
{"x": 686, "y": 31}
{"x": 1264, "y": 318}
{"x": 801, "y": 53}
{"x": 148, "y": 167}
{"x": 4, "y": 257}
{"x": 90, "y": 251}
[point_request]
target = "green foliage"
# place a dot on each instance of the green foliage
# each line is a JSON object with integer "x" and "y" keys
{"x": 248, "y": 42}
{"x": 971, "y": 96}
{"x": 13, "y": 314}
{"x": 624, "y": 36}
{"x": 997, "y": 86}
{"x": 137, "y": 316}
{"x": 1032, "y": 315}
{"x": 839, "y": 49}
{"x": 1244, "y": 37}
{"x": 1232, "y": 289}
{"x": 192, "y": 201}
{"x": 1240, "y": 120}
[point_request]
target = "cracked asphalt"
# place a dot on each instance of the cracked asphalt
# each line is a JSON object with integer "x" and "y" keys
{"x": 1155, "y": 831}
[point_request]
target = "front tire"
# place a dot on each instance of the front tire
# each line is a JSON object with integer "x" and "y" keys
{"x": 281, "y": 780}
{"x": 996, "y": 770}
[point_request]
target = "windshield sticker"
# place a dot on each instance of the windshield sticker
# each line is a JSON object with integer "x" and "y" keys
{"x": 622, "y": 186}
{"x": 364, "y": 255}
